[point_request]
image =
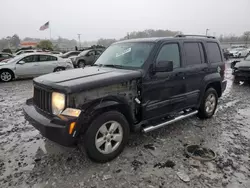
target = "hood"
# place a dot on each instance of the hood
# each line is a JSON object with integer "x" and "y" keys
{"x": 242, "y": 64}
{"x": 233, "y": 51}
{"x": 76, "y": 80}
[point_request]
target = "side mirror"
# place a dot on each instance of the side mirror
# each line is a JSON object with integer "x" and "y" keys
{"x": 21, "y": 62}
{"x": 164, "y": 66}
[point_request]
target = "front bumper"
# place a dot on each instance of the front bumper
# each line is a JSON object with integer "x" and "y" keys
{"x": 54, "y": 128}
{"x": 223, "y": 85}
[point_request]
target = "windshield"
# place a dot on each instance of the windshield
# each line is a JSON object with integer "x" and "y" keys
{"x": 132, "y": 54}
{"x": 66, "y": 54}
{"x": 248, "y": 58}
{"x": 83, "y": 53}
{"x": 15, "y": 58}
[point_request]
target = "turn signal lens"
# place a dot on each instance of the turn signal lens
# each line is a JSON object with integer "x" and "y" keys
{"x": 71, "y": 127}
{"x": 71, "y": 112}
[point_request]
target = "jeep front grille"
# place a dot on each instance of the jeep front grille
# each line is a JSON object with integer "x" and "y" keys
{"x": 42, "y": 99}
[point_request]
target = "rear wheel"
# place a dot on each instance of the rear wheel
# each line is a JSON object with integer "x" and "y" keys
{"x": 58, "y": 69}
{"x": 6, "y": 76}
{"x": 81, "y": 64}
{"x": 208, "y": 104}
{"x": 107, "y": 136}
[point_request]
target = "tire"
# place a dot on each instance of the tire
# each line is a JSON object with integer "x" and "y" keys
{"x": 81, "y": 64}
{"x": 236, "y": 80}
{"x": 58, "y": 69}
{"x": 6, "y": 76}
{"x": 208, "y": 104}
{"x": 99, "y": 152}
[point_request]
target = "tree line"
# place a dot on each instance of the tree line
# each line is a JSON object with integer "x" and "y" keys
{"x": 14, "y": 41}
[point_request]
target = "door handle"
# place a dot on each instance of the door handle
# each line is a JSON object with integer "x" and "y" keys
{"x": 181, "y": 74}
{"x": 205, "y": 69}
{"x": 35, "y": 65}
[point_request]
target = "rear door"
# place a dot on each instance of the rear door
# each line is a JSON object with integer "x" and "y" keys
{"x": 29, "y": 68}
{"x": 196, "y": 67}
{"x": 47, "y": 64}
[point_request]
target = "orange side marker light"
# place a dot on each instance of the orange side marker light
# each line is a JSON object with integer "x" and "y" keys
{"x": 71, "y": 127}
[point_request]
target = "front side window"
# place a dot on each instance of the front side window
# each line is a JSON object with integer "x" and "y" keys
{"x": 30, "y": 59}
{"x": 128, "y": 54}
{"x": 170, "y": 52}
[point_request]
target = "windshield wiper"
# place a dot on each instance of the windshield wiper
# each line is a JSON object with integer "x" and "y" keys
{"x": 113, "y": 66}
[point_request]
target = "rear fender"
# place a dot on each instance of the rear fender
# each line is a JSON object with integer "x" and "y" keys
{"x": 208, "y": 79}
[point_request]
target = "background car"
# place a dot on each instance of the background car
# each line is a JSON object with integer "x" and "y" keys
{"x": 56, "y": 53}
{"x": 87, "y": 57}
{"x": 225, "y": 53}
{"x": 70, "y": 54}
{"x": 239, "y": 52}
{"x": 26, "y": 51}
{"x": 241, "y": 70}
{"x": 32, "y": 65}
{"x": 4, "y": 56}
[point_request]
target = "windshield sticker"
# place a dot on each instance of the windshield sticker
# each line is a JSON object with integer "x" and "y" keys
{"x": 124, "y": 52}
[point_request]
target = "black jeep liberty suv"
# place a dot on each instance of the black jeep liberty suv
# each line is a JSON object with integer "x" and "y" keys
{"x": 135, "y": 85}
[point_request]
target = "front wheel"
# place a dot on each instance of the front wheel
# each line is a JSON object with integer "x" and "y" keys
{"x": 81, "y": 64}
{"x": 107, "y": 136}
{"x": 58, "y": 69}
{"x": 6, "y": 76}
{"x": 208, "y": 104}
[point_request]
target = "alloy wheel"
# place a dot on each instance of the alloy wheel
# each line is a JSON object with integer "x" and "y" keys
{"x": 109, "y": 137}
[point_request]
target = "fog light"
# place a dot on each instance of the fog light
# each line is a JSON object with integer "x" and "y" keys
{"x": 71, "y": 112}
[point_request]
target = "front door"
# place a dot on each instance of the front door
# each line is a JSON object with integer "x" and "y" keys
{"x": 164, "y": 92}
{"x": 29, "y": 68}
{"x": 90, "y": 57}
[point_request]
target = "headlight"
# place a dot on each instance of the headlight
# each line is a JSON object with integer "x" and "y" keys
{"x": 58, "y": 103}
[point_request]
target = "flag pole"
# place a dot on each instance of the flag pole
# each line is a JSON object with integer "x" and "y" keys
{"x": 49, "y": 31}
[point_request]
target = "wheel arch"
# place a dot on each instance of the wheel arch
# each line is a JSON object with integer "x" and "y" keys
{"x": 11, "y": 71}
{"x": 98, "y": 107}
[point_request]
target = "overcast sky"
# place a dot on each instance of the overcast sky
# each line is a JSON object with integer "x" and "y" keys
{"x": 114, "y": 18}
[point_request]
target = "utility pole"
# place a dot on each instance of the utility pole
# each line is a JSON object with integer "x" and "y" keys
{"x": 79, "y": 39}
{"x": 207, "y": 31}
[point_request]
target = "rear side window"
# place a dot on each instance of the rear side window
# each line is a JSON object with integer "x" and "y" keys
{"x": 214, "y": 54}
{"x": 47, "y": 58}
{"x": 194, "y": 53}
{"x": 170, "y": 52}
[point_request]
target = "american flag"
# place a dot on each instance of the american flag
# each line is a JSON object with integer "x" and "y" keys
{"x": 45, "y": 26}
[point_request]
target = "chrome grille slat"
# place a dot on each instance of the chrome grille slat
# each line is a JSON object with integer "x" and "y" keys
{"x": 42, "y": 99}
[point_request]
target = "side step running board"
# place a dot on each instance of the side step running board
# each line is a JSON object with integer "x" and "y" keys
{"x": 178, "y": 118}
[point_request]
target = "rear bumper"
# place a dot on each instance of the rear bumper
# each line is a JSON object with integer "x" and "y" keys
{"x": 55, "y": 129}
{"x": 223, "y": 85}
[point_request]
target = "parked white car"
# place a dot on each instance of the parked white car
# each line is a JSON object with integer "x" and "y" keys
{"x": 32, "y": 65}
{"x": 238, "y": 52}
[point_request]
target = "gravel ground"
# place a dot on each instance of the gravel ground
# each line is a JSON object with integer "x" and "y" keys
{"x": 150, "y": 160}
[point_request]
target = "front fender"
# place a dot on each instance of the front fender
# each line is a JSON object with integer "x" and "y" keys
{"x": 90, "y": 111}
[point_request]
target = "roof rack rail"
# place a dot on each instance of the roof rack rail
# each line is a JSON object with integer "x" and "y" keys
{"x": 195, "y": 36}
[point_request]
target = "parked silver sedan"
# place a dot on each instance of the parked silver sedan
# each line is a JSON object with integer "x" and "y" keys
{"x": 32, "y": 65}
